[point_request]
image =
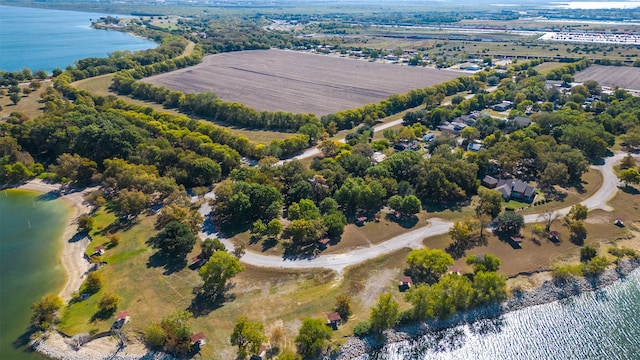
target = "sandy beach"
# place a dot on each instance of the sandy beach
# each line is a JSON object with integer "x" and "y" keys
{"x": 73, "y": 260}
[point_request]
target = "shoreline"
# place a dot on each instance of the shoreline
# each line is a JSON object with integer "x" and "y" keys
{"x": 548, "y": 292}
{"x": 55, "y": 344}
{"x": 72, "y": 254}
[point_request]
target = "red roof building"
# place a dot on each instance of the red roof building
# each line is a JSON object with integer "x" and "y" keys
{"x": 99, "y": 249}
{"x": 198, "y": 339}
{"x": 406, "y": 280}
{"x": 455, "y": 269}
{"x": 334, "y": 319}
{"x": 122, "y": 315}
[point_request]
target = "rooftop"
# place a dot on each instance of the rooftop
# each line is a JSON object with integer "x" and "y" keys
{"x": 334, "y": 316}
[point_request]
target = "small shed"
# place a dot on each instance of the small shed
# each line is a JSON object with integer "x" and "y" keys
{"x": 405, "y": 281}
{"x": 198, "y": 339}
{"x": 517, "y": 239}
{"x": 98, "y": 250}
{"x": 361, "y": 220}
{"x": 554, "y": 236}
{"x": 122, "y": 318}
{"x": 324, "y": 241}
{"x": 455, "y": 269}
{"x": 334, "y": 319}
{"x": 197, "y": 260}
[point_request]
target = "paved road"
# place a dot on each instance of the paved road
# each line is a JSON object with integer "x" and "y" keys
{"x": 412, "y": 239}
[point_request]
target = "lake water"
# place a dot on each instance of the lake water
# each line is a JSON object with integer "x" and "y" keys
{"x": 599, "y": 325}
{"x": 41, "y": 39}
{"x": 31, "y": 228}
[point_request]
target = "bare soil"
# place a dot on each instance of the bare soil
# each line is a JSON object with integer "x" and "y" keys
{"x": 276, "y": 80}
{"x": 625, "y": 77}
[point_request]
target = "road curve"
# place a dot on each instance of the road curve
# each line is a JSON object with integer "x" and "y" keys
{"x": 412, "y": 239}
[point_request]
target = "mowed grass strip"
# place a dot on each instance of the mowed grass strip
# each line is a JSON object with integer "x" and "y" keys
{"x": 276, "y": 80}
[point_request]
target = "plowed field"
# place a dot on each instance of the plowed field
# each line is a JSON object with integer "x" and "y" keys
{"x": 625, "y": 77}
{"x": 299, "y": 82}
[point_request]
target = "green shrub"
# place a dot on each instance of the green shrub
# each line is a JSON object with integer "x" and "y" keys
{"x": 566, "y": 272}
{"x": 595, "y": 266}
{"x": 362, "y": 329}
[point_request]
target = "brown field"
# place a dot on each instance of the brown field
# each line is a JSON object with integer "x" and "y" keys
{"x": 621, "y": 76}
{"x": 298, "y": 82}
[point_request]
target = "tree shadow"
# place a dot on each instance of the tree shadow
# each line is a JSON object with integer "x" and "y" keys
{"x": 121, "y": 224}
{"x": 77, "y": 237}
{"x": 204, "y": 302}
{"x": 269, "y": 243}
{"x": 22, "y": 341}
{"x": 406, "y": 222}
{"x": 300, "y": 252}
{"x": 102, "y": 315}
{"x": 629, "y": 190}
{"x": 458, "y": 249}
{"x": 171, "y": 264}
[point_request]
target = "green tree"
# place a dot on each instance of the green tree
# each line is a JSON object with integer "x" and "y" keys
{"x": 627, "y": 162}
{"x": 108, "y": 305}
{"x": 175, "y": 240}
{"x": 489, "y": 287}
{"x": 274, "y": 228}
{"x": 587, "y": 253}
{"x": 45, "y": 311}
{"x": 629, "y": 176}
{"x": 312, "y": 338}
{"x": 219, "y": 269}
{"x": 490, "y": 202}
{"x": 15, "y": 98}
{"x": 155, "y": 336}
{"x": 554, "y": 174}
{"x": 427, "y": 265}
{"x": 509, "y": 223}
{"x": 343, "y": 306}
{"x": 577, "y": 232}
{"x": 178, "y": 329}
{"x": 85, "y": 223}
{"x": 411, "y": 205}
{"x": 384, "y": 314}
{"x": 93, "y": 283}
{"x": 595, "y": 266}
{"x": 258, "y": 228}
{"x": 335, "y": 223}
{"x": 464, "y": 232}
{"x": 486, "y": 262}
{"x": 209, "y": 246}
{"x": 578, "y": 212}
{"x": 247, "y": 335}
{"x": 420, "y": 297}
{"x": 131, "y": 202}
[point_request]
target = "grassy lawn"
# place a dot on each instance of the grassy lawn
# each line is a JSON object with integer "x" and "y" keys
{"x": 354, "y": 236}
{"x": 149, "y": 292}
{"x": 546, "y": 67}
{"x": 591, "y": 182}
{"x": 30, "y": 105}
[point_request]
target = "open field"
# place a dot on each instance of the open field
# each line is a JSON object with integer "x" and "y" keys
{"x": 298, "y": 82}
{"x": 150, "y": 291}
{"x": 621, "y": 76}
{"x": 30, "y": 105}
